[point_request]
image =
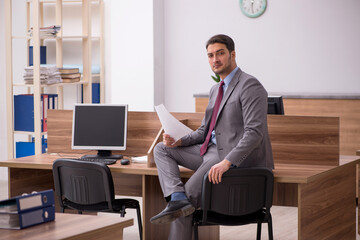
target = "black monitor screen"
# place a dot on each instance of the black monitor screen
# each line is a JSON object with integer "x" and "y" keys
{"x": 101, "y": 127}
{"x": 275, "y": 105}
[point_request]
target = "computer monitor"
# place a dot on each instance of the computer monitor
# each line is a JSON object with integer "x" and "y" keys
{"x": 101, "y": 127}
{"x": 275, "y": 105}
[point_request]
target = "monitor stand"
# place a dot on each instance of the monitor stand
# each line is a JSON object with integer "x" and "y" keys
{"x": 106, "y": 154}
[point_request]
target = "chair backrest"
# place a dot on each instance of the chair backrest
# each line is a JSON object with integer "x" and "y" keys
{"x": 241, "y": 191}
{"x": 83, "y": 183}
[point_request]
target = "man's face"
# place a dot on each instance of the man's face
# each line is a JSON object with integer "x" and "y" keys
{"x": 220, "y": 59}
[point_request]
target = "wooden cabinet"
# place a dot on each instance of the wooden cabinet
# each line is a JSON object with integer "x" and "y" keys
{"x": 344, "y": 106}
{"x": 35, "y": 11}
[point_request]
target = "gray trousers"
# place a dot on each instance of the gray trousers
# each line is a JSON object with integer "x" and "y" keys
{"x": 167, "y": 161}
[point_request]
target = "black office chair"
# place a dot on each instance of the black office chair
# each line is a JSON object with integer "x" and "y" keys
{"x": 88, "y": 186}
{"x": 244, "y": 196}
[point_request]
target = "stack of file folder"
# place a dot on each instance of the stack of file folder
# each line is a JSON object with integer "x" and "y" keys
{"x": 25, "y": 211}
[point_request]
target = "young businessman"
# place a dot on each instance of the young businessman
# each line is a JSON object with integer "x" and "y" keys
{"x": 233, "y": 133}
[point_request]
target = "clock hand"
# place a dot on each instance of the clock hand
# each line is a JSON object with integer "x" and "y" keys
{"x": 252, "y": 6}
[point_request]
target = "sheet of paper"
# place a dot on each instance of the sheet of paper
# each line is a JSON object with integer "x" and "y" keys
{"x": 140, "y": 159}
{"x": 170, "y": 124}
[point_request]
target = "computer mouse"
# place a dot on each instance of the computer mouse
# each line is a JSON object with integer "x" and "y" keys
{"x": 125, "y": 161}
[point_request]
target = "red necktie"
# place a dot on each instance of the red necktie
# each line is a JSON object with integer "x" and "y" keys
{"x": 204, "y": 147}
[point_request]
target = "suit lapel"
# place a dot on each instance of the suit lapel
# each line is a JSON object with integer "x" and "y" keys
{"x": 229, "y": 90}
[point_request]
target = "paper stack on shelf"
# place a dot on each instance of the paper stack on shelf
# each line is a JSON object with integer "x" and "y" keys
{"x": 48, "y": 75}
{"x": 45, "y": 32}
{"x": 69, "y": 75}
{"x": 95, "y": 68}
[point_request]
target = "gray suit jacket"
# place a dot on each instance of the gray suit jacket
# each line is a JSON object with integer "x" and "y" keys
{"x": 241, "y": 127}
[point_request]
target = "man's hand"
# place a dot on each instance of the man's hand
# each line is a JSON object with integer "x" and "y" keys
{"x": 218, "y": 170}
{"x": 170, "y": 142}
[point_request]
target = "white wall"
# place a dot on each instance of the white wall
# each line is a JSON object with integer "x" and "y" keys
{"x": 107, "y": 53}
{"x": 155, "y": 50}
{"x": 159, "y": 42}
{"x": 296, "y": 46}
{"x": 131, "y": 54}
{"x": 3, "y": 136}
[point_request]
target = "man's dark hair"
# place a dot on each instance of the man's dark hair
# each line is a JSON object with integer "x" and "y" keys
{"x": 221, "y": 38}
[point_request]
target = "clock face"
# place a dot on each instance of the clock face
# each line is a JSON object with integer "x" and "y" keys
{"x": 253, "y": 8}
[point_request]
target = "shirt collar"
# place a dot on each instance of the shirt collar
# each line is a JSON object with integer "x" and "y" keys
{"x": 229, "y": 77}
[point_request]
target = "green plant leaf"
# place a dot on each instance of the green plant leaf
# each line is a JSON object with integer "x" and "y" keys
{"x": 216, "y": 78}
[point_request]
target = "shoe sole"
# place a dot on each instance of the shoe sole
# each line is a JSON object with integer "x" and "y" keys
{"x": 182, "y": 212}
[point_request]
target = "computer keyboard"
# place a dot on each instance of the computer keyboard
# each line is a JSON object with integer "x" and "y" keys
{"x": 106, "y": 161}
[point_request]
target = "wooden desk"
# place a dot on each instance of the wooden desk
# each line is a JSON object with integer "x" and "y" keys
{"x": 325, "y": 194}
{"x": 72, "y": 226}
{"x": 307, "y": 171}
{"x": 35, "y": 172}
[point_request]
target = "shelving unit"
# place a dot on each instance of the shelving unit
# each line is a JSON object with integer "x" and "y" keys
{"x": 35, "y": 19}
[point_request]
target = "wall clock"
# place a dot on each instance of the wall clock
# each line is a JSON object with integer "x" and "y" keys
{"x": 253, "y": 8}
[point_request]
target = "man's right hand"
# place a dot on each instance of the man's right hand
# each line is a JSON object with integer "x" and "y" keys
{"x": 169, "y": 141}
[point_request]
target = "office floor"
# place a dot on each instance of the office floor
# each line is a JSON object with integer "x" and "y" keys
{"x": 284, "y": 224}
{"x": 284, "y": 227}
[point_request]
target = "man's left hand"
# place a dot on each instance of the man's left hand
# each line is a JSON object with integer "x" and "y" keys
{"x": 218, "y": 170}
